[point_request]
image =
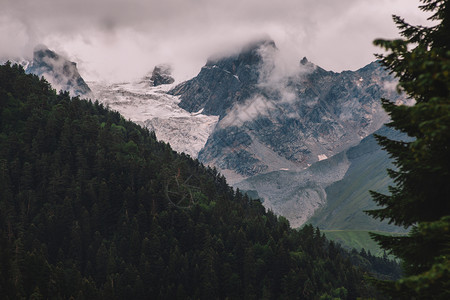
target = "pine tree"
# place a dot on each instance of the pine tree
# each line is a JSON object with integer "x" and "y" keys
{"x": 420, "y": 197}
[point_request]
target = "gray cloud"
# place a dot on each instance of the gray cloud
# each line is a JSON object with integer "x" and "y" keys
{"x": 121, "y": 39}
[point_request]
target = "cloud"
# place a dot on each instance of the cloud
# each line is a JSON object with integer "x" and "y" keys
{"x": 251, "y": 109}
{"x": 16, "y": 39}
{"x": 277, "y": 72}
{"x": 118, "y": 39}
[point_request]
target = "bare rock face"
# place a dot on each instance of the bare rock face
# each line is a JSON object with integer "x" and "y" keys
{"x": 60, "y": 72}
{"x": 270, "y": 122}
{"x": 224, "y": 82}
{"x": 162, "y": 74}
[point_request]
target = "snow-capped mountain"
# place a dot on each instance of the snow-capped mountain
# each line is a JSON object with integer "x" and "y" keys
{"x": 283, "y": 137}
{"x": 145, "y": 102}
{"x": 150, "y": 106}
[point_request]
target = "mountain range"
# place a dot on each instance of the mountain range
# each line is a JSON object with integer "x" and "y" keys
{"x": 291, "y": 139}
{"x": 94, "y": 207}
{"x": 270, "y": 122}
{"x": 288, "y": 139}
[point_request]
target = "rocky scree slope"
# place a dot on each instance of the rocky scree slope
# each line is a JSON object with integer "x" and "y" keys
{"x": 332, "y": 193}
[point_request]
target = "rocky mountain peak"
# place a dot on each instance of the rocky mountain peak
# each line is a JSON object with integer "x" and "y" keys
{"x": 59, "y": 71}
{"x": 305, "y": 64}
{"x": 286, "y": 124}
{"x": 251, "y": 54}
{"x": 162, "y": 74}
{"x": 224, "y": 81}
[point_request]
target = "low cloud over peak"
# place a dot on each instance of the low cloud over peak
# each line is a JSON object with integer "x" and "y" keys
{"x": 121, "y": 40}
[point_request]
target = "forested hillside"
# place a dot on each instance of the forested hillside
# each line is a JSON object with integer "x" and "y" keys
{"x": 93, "y": 206}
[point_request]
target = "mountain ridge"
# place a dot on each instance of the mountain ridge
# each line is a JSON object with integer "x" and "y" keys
{"x": 265, "y": 124}
{"x": 299, "y": 119}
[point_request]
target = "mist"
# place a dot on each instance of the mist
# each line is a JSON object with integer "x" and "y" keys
{"x": 116, "y": 40}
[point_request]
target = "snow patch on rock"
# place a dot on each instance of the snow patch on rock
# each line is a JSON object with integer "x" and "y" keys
{"x": 322, "y": 157}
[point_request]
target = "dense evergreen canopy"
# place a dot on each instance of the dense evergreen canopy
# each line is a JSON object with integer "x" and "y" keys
{"x": 93, "y": 206}
{"x": 421, "y": 195}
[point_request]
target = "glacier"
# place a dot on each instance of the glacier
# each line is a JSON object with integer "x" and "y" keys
{"x": 150, "y": 106}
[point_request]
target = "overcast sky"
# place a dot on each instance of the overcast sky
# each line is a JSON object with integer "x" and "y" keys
{"x": 124, "y": 39}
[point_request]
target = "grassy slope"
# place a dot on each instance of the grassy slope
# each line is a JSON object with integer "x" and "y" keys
{"x": 348, "y": 198}
{"x": 357, "y": 239}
